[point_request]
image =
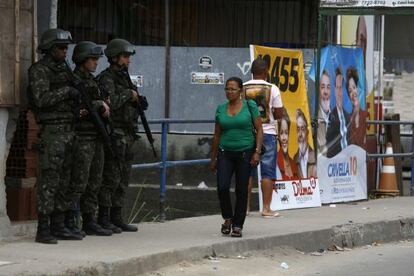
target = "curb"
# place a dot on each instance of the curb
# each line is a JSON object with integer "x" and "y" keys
{"x": 346, "y": 235}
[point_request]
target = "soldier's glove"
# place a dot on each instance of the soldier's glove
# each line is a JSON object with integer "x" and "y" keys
{"x": 74, "y": 93}
{"x": 143, "y": 102}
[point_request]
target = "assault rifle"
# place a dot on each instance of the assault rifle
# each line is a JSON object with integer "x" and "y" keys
{"x": 141, "y": 106}
{"x": 95, "y": 117}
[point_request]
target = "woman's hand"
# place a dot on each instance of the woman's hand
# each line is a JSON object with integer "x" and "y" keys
{"x": 254, "y": 161}
{"x": 213, "y": 165}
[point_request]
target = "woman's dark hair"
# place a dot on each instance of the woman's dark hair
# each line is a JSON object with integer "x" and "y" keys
{"x": 235, "y": 79}
{"x": 285, "y": 117}
{"x": 351, "y": 73}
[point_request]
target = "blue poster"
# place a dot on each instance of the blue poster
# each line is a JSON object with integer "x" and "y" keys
{"x": 341, "y": 133}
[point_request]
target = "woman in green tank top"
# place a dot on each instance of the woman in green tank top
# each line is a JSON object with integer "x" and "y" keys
{"x": 235, "y": 149}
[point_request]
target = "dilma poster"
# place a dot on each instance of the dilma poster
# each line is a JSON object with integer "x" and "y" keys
{"x": 341, "y": 134}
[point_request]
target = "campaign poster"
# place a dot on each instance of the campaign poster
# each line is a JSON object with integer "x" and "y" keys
{"x": 296, "y": 181}
{"x": 341, "y": 132}
{"x": 359, "y": 31}
{"x": 294, "y": 194}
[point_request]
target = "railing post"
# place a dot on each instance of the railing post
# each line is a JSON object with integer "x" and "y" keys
{"x": 412, "y": 160}
{"x": 163, "y": 175}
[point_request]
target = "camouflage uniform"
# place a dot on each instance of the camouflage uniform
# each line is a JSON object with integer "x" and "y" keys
{"x": 50, "y": 94}
{"x": 88, "y": 154}
{"x": 124, "y": 120}
{"x": 115, "y": 83}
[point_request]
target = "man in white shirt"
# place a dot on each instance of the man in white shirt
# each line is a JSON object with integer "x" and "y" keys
{"x": 324, "y": 111}
{"x": 269, "y": 102}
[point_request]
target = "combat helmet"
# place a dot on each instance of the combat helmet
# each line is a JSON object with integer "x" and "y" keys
{"x": 52, "y": 37}
{"x": 119, "y": 46}
{"x": 84, "y": 50}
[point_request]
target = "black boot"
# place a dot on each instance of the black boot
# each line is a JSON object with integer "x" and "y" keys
{"x": 90, "y": 226}
{"x": 43, "y": 234}
{"x": 72, "y": 219}
{"x": 104, "y": 221}
{"x": 59, "y": 230}
{"x": 116, "y": 219}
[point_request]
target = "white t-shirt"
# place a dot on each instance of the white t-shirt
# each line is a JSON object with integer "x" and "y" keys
{"x": 275, "y": 102}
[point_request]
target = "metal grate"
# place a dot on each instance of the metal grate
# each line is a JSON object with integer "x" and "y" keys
{"x": 208, "y": 23}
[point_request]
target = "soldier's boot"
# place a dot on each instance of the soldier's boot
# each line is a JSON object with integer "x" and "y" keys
{"x": 43, "y": 234}
{"x": 90, "y": 226}
{"x": 116, "y": 219}
{"x": 72, "y": 219}
{"x": 59, "y": 230}
{"x": 105, "y": 222}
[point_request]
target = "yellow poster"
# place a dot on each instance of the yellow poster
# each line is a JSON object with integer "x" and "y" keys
{"x": 286, "y": 72}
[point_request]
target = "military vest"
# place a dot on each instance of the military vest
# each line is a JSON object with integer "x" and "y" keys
{"x": 85, "y": 126}
{"x": 40, "y": 95}
{"x": 125, "y": 116}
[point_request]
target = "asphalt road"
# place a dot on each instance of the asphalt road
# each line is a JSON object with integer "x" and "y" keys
{"x": 378, "y": 259}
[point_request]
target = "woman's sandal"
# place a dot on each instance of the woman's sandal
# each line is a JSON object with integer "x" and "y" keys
{"x": 237, "y": 232}
{"x": 226, "y": 227}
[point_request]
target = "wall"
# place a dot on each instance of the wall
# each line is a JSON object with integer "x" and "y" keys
{"x": 4, "y": 148}
{"x": 43, "y": 15}
{"x": 8, "y": 60}
{"x": 187, "y": 101}
{"x": 199, "y": 101}
{"x": 12, "y": 89}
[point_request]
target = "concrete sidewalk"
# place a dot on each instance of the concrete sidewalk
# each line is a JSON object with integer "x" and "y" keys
{"x": 160, "y": 244}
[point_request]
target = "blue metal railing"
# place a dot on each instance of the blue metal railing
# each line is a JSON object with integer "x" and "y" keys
{"x": 397, "y": 155}
{"x": 164, "y": 164}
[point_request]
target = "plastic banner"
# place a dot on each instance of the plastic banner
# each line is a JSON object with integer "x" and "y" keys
{"x": 341, "y": 125}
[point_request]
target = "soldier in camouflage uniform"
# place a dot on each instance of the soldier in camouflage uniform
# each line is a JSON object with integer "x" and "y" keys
{"x": 52, "y": 100}
{"x": 88, "y": 150}
{"x": 123, "y": 102}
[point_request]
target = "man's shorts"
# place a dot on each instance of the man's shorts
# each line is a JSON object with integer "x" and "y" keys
{"x": 268, "y": 159}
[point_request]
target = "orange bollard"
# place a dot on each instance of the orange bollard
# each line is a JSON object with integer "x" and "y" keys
{"x": 388, "y": 179}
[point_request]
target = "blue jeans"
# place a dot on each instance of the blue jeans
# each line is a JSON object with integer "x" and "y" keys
{"x": 268, "y": 160}
{"x": 229, "y": 162}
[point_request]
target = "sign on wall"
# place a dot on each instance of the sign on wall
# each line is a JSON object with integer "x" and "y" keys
{"x": 365, "y": 3}
{"x": 137, "y": 80}
{"x": 207, "y": 78}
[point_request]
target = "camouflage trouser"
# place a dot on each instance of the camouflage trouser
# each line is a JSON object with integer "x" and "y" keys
{"x": 115, "y": 183}
{"x": 55, "y": 162}
{"x": 87, "y": 170}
